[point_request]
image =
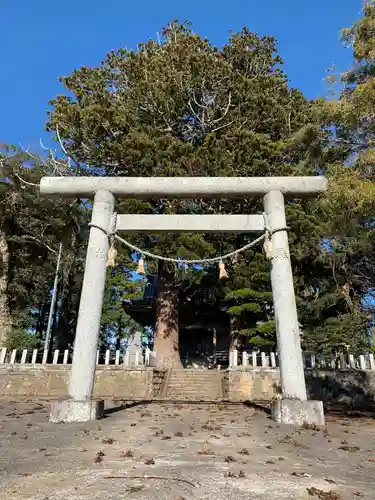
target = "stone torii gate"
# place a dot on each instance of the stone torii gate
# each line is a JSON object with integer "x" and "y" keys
{"x": 293, "y": 407}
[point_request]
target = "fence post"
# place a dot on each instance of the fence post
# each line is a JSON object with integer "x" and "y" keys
{"x": 45, "y": 355}
{"x": 13, "y": 357}
{"x": 126, "y": 358}
{"x": 137, "y": 358}
{"x": 106, "y": 361}
{"x": 245, "y": 359}
{"x": 372, "y": 362}
{"x": 234, "y": 357}
{"x": 147, "y": 356}
{"x": 34, "y": 356}
{"x": 24, "y": 356}
{"x": 313, "y": 361}
{"x": 362, "y": 362}
{"x": 322, "y": 360}
{"x": 264, "y": 361}
{"x": 333, "y": 360}
{"x": 97, "y": 356}
{"x": 66, "y": 356}
{"x": 273, "y": 360}
{"x": 352, "y": 361}
{"x": 117, "y": 358}
{"x": 342, "y": 362}
{"x": 55, "y": 357}
{"x": 3, "y": 354}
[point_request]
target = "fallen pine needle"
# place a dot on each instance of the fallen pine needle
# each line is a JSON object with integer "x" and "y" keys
{"x": 164, "y": 478}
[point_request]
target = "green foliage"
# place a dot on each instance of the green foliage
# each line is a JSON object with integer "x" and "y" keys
{"x": 349, "y": 130}
{"x": 184, "y": 107}
{"x": 245, "y": 308}
{"x": 116, "y": 325}
{"x": 31, "y": 231}
{"x": 347, "y": 333}
{"x": 20, "y": 339}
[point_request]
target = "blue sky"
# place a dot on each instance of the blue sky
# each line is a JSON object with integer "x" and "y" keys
{"x": 42, "y": 39}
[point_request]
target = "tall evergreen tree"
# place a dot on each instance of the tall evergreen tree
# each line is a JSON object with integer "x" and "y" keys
{"x": 350, "y": 139}
{"x": 184, "y": 107}
{"x": 179, "y": 107}
{"x": 31, "y": 230}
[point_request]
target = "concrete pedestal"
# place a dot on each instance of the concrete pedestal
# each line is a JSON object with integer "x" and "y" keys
{"x": 297, "y": 412}
{"x": 76, "y": 411}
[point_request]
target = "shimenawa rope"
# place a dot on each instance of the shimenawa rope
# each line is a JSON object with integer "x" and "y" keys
{"x": 112, "y": 235}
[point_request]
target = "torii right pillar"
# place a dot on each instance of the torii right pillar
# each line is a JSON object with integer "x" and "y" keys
{"x": 294, "y": 407}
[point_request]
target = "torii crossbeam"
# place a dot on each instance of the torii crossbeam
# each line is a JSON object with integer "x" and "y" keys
{"x": 293, "y": 408}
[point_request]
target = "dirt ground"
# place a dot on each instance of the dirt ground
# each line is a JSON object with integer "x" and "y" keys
{"x": 177, "y": 452}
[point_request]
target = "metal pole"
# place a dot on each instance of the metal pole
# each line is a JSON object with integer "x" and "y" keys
{"x": 53, "y": 301}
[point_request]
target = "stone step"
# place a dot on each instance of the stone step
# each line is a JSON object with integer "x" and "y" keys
{"x": 195, "y": 377}
{"x": 195, "y": 396}
{"x": 187, "y": 388}
{"x": 194, "y": 381}
{"x": 195, "y": 384}
{"x": 194, "y": 389}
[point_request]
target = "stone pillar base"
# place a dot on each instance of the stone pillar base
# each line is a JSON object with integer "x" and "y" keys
{"x": 296, "y": 412}
{"x": 76, "y": 411}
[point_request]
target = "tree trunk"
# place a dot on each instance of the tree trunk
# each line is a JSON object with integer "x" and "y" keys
{"x": 166, "y": 341}
{"x": 233, "y": 334}
{"x": 5, "y": 316}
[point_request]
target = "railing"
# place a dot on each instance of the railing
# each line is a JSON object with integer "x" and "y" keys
{"x": 312, "y": 361}
{"x": 57, "y": 357}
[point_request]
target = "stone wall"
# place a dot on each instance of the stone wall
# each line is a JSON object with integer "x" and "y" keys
{"x": 137, "y": 383}
{"x": 251, "y": 384}
{"x": 353, "y": 387}
{"x": 52, "y": 381}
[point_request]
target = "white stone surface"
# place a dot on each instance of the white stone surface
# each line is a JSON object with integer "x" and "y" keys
{"x": 287, "y": 327}
{"x": 90, "y": 309}
{"x": 296, "y": 412}
{"x": 76, "y": 411}
{"x": 192, "y": 223}
{"x": 182, "y": 187}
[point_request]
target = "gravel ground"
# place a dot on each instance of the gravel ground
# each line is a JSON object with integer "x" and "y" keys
{"x": 183, "y": 452}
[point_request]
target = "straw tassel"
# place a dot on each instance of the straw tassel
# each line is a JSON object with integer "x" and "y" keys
{"x": 141, "y": 266}
{"x": 268, "y": 247}
{"x": 223, "y": 275}
{"x": 112, "y": 254}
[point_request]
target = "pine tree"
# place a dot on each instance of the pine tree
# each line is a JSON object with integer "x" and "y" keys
{"x": 31, "y": 230}
{"x": 350, "y": 203}
{"x": 184, "y": 107}
{"x": 116, "y": 325}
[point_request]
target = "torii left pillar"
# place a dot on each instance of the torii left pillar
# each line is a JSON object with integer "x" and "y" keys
{"x": 81, "y": 407}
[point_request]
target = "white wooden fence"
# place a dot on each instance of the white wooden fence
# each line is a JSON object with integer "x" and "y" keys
{"x": 108, "y": 357}
{"x": 310, "y": 360}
